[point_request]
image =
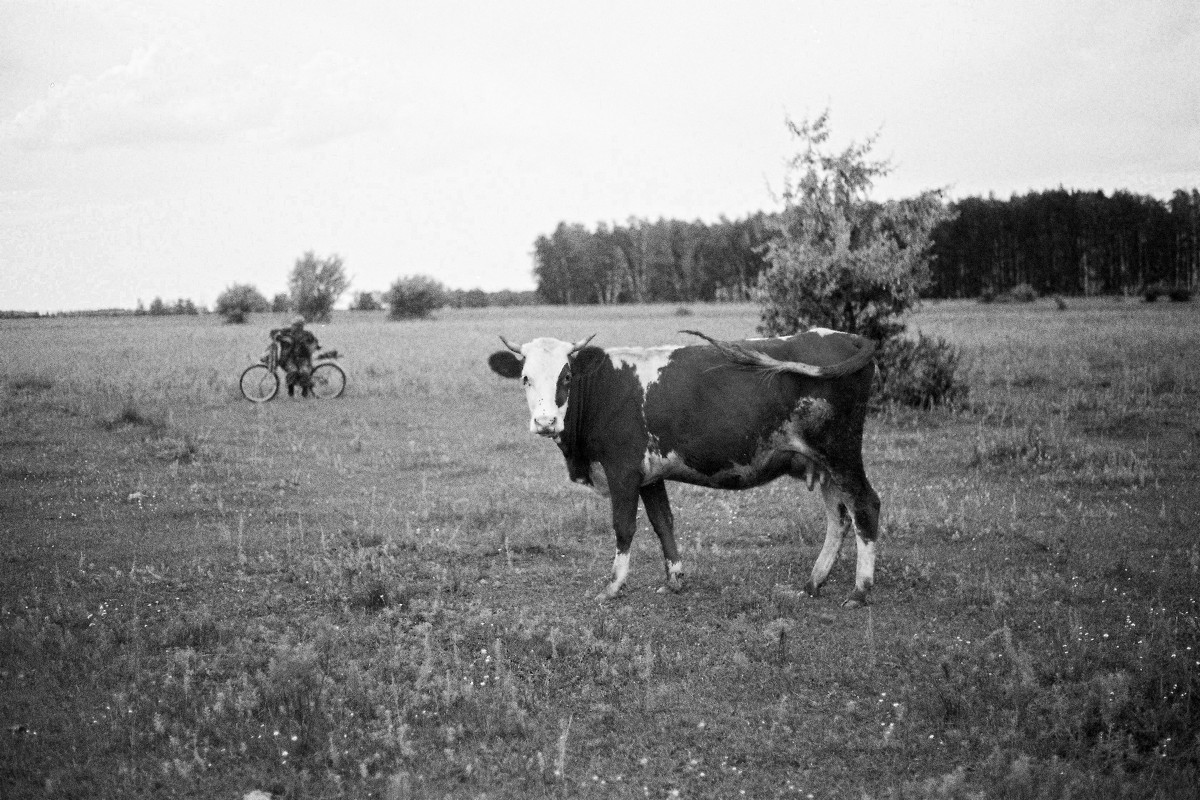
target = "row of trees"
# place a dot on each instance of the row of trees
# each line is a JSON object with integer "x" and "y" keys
{"x": 158, "y": 308}
{"x": 644, "y": 261}
{"x": 1068, "y": 242}
{"x": 454, "y": 298}
{"x": 1058, "y": 242}
{"x": 314, "y": 286}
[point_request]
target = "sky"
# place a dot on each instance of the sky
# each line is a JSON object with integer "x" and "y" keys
{"x": 155, "y": 148}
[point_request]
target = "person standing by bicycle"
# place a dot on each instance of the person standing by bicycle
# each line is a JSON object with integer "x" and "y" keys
{"x": 296, "y": 348}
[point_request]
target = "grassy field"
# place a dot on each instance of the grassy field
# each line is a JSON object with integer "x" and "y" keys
{"x": 388, "y": 594}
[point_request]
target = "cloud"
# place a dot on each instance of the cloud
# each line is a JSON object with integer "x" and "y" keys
{"x": 176, "y": 93}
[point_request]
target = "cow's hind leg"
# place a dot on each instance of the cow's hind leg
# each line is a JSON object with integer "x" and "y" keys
{"x": 849, "y": 502}
{"x": 837, "y": 522}
{"x": 658, "y": 509}
{"x": 864, "y": 509}
{"x": 624, "y": 497}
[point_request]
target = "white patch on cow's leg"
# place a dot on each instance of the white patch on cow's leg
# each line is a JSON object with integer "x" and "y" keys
{"x": 837, "y": 522}
{"x": 864, "y": 573}
{"x": 674, "y": 577}
{"x": 620, "y": 571}
{"x": 825, "y": 561}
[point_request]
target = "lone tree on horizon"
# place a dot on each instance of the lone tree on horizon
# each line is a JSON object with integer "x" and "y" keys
{"x": 316, "y": 284}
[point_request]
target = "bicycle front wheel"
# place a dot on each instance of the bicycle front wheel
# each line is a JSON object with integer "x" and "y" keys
{"x": 259, "y": 383}
{"x": 328, "y": 381}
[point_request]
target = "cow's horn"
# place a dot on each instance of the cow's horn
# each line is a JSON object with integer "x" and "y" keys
{"x": 580, "y": 345}
{"x": 512, "y": 347}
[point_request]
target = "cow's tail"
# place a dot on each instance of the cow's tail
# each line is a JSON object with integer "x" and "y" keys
{"x": 743, "y": 356}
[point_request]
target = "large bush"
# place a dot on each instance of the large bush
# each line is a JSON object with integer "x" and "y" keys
{"x": 839, "y": 260}
{"x": 316, "y": 284}
{"x": 240, "y": 300}
{"x": 414, "y": 297}
{"x": 921, "y": 372}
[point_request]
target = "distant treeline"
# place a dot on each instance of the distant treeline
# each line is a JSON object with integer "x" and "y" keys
{"x": 160, "y": 309}
{"x": 90, "y": 312}
{"x": 643, "y": 261}
{"x": 1068, "y": 242}
{"x": 454, "y": 298}
{"x": 157, "y": 308}
{"x": 477, "y": 298}
{"x": 1058, "y": 242}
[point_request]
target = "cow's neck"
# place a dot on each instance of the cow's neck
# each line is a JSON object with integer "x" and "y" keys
{"x": 574, "y": 441}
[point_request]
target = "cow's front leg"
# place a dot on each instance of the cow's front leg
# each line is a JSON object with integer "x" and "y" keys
{"x": 658, "y": 509}
{"x": 624, "y": 497}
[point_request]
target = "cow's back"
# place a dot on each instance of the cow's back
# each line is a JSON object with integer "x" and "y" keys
{"x": 708, "y": 416}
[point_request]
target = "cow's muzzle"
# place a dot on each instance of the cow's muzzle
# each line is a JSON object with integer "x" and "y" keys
{"x": 546, "y": 426}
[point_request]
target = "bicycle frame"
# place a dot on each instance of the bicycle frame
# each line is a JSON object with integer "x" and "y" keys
{"x": 272, "y": 361}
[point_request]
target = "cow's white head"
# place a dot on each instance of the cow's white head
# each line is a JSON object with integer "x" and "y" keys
{"x": 544, "y": 367}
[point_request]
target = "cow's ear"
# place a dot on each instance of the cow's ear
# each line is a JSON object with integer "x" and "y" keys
{"x": 505, "y": 363}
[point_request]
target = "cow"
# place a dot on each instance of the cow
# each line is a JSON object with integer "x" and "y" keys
{"x": 727, "y": 415}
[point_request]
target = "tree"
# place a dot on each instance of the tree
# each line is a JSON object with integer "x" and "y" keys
{"x": 414, "y": 297}
{"x": 281, "y": 303}
{"x": 239, "y": 301}
{"x": 315, "y": 285}
{"x": 185, "y": 307}
{"x": 837, "y": 259}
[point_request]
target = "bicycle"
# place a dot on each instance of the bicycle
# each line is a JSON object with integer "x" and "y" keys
{"x": 260, "y": 382}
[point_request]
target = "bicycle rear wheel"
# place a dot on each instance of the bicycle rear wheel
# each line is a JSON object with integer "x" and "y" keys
{"x": 328, "y": 381}
{"x": 259, "y": 383}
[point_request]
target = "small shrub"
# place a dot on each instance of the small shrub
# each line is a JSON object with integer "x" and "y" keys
{"x": 415, "y": 297}
{"x": 1021, "y": 293}
{"x": 130, "y": 415}
{"x": 1152, "y": 291}
{"x": 1180, "y": 294}
{"x": 683, "y": 311}
{"x": 988, "y": 295}
{"x": 366, "y": 301}
{"x": 922, "y": 373}
{"x": 239, "y": 301}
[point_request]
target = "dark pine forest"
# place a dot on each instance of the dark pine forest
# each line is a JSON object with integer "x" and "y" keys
{"x": 1059, "y": 241}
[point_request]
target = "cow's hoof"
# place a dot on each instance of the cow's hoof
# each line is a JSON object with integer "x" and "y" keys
{"x": 674, "y": 585}
{"x": 812, "y": 590}
{"x": 855, "y": 600}
{"x": 608, "y": 594}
